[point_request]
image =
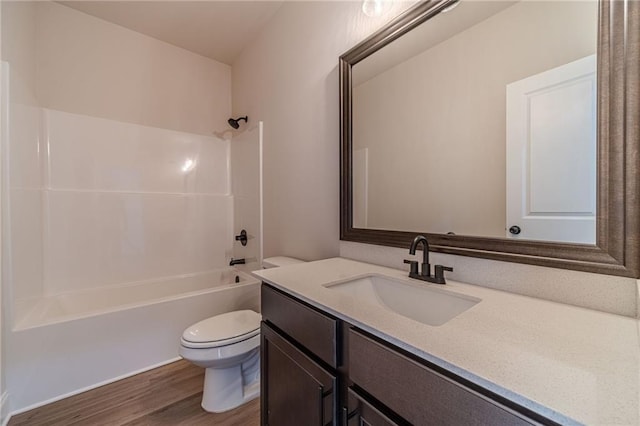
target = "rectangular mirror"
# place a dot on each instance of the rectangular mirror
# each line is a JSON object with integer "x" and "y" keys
{"x": 499, "y": 129}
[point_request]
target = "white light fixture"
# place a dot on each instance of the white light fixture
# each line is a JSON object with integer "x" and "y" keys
{"x": 375, "y": 8}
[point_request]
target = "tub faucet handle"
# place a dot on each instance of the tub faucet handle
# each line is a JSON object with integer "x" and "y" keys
{"x": 236, "y": 262}
{"x": 242, "y": 237}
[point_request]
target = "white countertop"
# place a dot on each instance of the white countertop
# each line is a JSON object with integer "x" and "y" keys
{"x": 567, "y": 363}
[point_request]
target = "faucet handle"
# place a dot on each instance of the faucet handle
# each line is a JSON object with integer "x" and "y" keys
{"x": 242, "y": 237}
{"x": 439, "y": 273}
{"x": 413, "y": 265}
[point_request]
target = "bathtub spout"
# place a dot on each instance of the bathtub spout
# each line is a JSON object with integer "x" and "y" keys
{"x": 236, "y": 262}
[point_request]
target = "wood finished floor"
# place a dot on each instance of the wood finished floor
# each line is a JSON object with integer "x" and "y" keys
{"x": 169, "y": 395}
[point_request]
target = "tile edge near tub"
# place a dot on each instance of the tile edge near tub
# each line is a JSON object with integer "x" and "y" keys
{"x": 606, "y": 293}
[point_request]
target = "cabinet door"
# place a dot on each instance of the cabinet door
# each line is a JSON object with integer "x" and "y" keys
{"x": 295, "y": 390}
{"x": 418, "y": 393}
{"x": 361, "y": 413}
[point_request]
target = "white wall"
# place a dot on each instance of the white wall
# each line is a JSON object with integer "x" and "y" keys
{"x": 19, "y": 47}
{"x": 288, "y": 77}
{"x": 89, "y": 66}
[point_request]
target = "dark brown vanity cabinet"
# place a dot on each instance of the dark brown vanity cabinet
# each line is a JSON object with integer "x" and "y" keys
{"x": 299, "y": 384}
{"x": 319, "y": 370}
{"x": 417, "y": 393}
{"x": 296, "y": 390}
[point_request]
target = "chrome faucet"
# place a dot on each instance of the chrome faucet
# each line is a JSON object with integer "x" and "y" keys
{"x": 425, "y": 275}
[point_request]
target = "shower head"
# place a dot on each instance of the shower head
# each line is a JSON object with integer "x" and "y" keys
{"x": 234, "y": 122}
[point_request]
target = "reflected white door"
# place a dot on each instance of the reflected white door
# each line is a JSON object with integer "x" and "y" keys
{"x": 551, "y": 154}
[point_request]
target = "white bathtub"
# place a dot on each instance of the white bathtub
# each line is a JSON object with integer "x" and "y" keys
{"x": 68, "y": 343}
{"x": 80, "y": 304}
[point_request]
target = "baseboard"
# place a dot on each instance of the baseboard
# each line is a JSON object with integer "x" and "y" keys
{"x": 94, "y": 386}
{"x": 4, "y": 409}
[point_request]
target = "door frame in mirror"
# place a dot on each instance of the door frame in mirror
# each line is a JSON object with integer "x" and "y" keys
{"x": 617, "y": 248}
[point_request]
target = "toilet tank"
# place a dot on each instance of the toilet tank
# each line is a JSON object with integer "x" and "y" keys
{"x": 277, "y": 261}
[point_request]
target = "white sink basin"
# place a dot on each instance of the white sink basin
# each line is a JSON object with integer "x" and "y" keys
{"x": 418, "y": 301}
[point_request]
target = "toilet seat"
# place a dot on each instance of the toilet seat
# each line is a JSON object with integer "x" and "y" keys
{"x": 222, "y": 330}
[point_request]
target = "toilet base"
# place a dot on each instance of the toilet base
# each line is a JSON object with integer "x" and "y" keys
{"x": 228, "y": 388}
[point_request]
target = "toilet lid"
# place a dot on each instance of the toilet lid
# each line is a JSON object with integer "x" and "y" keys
{"x": 228, "y": 328}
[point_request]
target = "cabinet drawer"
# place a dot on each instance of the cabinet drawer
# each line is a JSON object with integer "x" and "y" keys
{"x": 418, "y": 394}
{"x": 312, "y": 329}
{"x": 360, "y": 412}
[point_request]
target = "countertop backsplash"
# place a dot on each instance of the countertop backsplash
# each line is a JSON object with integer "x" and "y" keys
{"x": 607, "y": 293}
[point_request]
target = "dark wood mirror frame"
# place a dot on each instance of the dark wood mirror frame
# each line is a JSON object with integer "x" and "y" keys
{"x": 617, "y": 248}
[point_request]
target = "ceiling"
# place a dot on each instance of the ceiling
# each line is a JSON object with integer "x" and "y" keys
{"x": 216, "y": 29}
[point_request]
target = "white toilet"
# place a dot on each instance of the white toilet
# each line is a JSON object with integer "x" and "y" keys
{"x": 228, "y": 346}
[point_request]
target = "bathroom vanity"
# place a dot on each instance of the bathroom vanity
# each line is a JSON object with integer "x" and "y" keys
{"x": 318, "y": 368}
{"x": 331, "y": 356}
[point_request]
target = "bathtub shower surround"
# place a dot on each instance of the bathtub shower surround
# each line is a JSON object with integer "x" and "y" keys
{"x": 22, "y": 205}
{"x": 120, "y": 203}
{"x": 246, "y": 187}
{"x": 112, "y": 223}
